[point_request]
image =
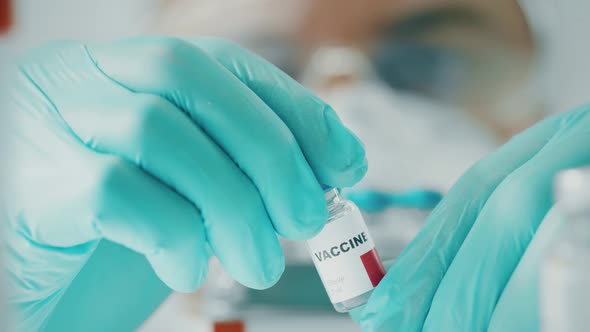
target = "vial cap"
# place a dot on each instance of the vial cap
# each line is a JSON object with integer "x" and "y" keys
{"x": 571, "y": 188}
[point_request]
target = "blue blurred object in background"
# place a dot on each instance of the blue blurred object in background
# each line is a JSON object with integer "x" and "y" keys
{"x": 374, "y": 201}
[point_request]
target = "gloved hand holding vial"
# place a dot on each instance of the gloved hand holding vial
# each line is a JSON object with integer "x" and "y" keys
{"x": 167, "y": 147}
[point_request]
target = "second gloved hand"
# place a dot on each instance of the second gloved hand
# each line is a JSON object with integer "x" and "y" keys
{"x": 474, "y": 265}
{"x": 164, "y": 146}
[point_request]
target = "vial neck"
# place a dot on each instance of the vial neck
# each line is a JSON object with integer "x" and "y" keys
{"x": 333, "y": 199}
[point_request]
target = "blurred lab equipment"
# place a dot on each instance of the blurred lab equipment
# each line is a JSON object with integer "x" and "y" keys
{"x": 374, "y": 201}
{"x": 565, "y": 270}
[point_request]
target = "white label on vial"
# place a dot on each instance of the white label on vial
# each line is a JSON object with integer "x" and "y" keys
{"x": 344, "y": 255}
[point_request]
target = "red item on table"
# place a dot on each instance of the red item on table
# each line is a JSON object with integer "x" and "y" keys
{"x": 229, "y": 326}
{"x": 5, "y": 15}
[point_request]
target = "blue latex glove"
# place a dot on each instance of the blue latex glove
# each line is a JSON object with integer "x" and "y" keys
{"x": 166, "y": 147}
{"x": 474, "y": 264}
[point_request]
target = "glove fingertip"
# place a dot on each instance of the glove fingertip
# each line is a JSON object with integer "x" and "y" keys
{"x": 345, "y": 162}
{"x": 181, "y": 277}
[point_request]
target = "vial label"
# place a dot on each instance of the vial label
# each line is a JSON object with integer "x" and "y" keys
{"x": 345, "y": 257}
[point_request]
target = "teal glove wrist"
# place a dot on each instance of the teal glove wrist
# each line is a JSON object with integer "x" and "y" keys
{"x": 164, "y": 146}
{"x": 465, "y": 269}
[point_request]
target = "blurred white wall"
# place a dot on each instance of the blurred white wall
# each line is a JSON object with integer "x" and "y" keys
{"x": 234, "y": 19}
{"x": 37, "y": 21}
{"x": 561, "y": 30}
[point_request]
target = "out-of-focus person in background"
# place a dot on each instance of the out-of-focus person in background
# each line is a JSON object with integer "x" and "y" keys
{"x": 429, "y": 87}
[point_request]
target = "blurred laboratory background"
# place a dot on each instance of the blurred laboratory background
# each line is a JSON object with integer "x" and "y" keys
{"x": 429, "y": 87}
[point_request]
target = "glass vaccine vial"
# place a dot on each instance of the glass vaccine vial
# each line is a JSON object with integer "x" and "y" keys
{"x": 344, "y": 255}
